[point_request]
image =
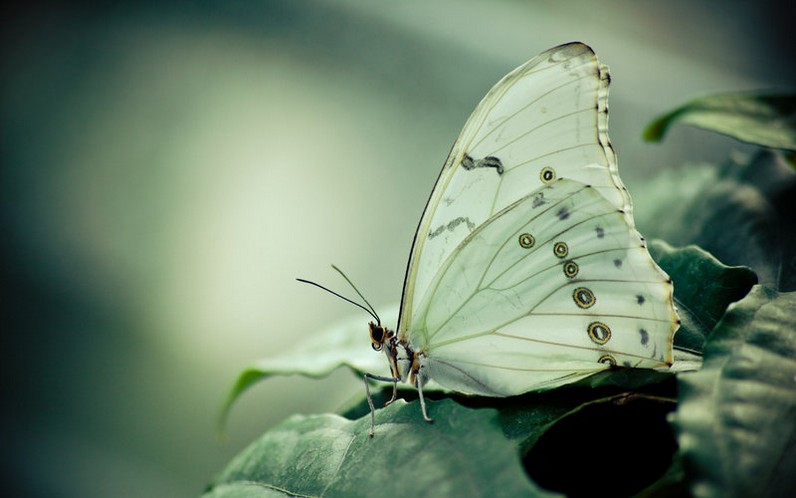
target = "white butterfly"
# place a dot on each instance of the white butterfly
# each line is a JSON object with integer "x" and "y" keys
{"x": 526, "y": 270}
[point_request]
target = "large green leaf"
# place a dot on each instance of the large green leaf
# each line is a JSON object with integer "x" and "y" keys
{"x": 463, "y": 453}
{"x": 760, "y": 119}
{"x": 548, "y": 434}
{"x": 736, "y": 422}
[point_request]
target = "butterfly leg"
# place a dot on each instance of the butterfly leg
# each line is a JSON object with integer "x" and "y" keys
{"x": 367, "y": 377}
{"x": 419, "y": 386}
{"x": 394, "y": 392}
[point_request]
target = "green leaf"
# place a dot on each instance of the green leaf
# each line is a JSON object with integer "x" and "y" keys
{"x": 703, "y": 288}
{"x": 463, "y": 453}
{"x": 525, "y": 417}
{"x": 345, "y": 344}
{"x": 550, "y": 433}
{"x": 736, "y": 418}
{"x": 671, "y": 484}
{"x": 768, "y": 120}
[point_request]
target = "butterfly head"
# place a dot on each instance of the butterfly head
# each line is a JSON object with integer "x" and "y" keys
{"x": 379, "y": 336}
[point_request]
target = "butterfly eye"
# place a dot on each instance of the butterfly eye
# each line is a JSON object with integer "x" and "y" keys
{"x": 377, "y": 336}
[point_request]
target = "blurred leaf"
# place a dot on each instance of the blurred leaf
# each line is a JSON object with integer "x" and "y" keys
{"x": 703, "y": 288}
{"x": 463, "y": 453}
{"x": 345, "y": 344}
{"x": 743, "y": 213}
{"x": 736, "y": 418}
{"x": 672, "y": 484}
{"x": 760, "y": 119}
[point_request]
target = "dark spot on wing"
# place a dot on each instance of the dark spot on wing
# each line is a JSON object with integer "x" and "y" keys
{"x": 562, "y": 213}
{"x": 618, "y": 263}
{"x": 600, "y": 232}
{"x": 492, "y": 162}
{"x": 640, "y": 299}
{"x": 451, "y": 225}
{"x": 470, "y": 164}
{"x": 645, "y": 336}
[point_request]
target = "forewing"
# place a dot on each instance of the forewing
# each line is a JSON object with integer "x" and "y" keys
{"x": 553, "y": 288}
{"x": 545, "y": 120}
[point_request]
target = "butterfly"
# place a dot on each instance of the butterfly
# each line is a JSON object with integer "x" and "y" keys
{"x": 526, "y": 271}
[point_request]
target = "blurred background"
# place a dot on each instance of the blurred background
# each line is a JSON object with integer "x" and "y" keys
{"x": 168, "y": 170}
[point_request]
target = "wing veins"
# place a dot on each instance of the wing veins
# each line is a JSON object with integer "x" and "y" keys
{"x": 478, "y": 286}
{"x": 585, "y": 348}
{"x": 539, "y": 127}
{"x": 539, "y": 247}
{"x": 521, "y": 109}
{"x": 536, "y": 341}
{"x": 534, "y": 158}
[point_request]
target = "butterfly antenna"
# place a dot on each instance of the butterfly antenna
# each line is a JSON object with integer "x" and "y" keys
{"x": 372, "y": 309}
{"x": 369, "y": 309}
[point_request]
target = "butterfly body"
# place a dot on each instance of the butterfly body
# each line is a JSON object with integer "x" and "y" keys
{"x": 526, "y": 271}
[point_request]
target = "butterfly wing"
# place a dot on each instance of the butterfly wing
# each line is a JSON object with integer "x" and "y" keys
{"x": 551, "y": 289}
{"x": 547, "y": 119}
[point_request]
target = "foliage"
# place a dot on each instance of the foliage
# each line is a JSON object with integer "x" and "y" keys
{"x": 725, "y": 430}
{"x": 761, "y": 119}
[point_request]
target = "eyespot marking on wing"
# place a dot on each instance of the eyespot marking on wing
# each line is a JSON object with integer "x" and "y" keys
{"x": 607, "y": 359}
{"x": 599, "y": 332}
{"x": 570, "y": 269}
{"x": 584, "y": 297}
{"x": 527, "y": 241}
{"x": 560, "y": 249}
{"x": 547, "y": 175}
